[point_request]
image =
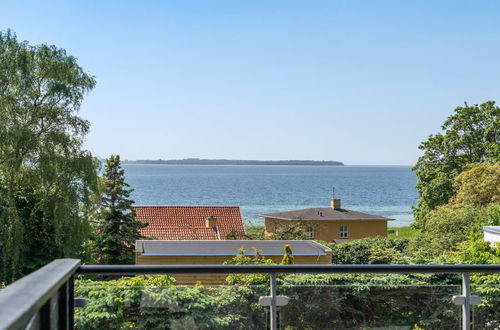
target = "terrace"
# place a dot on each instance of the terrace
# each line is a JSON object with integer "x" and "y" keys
{"x": 45, "y": 299}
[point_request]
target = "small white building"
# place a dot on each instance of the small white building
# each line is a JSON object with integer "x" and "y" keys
{"x": 492, "y": 234}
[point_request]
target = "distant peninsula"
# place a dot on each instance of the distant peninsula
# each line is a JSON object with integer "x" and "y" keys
{"x": 198, "y": 161}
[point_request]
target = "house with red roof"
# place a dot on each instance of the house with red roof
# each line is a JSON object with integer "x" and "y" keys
{"x": 191, "y": 222}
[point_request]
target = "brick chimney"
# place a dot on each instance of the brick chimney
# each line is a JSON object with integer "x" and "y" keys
{"x": 211, "y": 222}
{"x": 335, "y": 203}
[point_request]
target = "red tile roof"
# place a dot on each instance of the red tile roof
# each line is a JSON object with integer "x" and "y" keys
{"x": 188, "y": 222}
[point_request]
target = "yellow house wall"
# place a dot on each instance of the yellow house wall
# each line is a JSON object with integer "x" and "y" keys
{"x": 215, "y": 279}
{"x": 330, "y": 230}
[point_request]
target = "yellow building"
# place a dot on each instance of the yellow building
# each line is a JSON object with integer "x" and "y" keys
{"x": 333, "y": 224}
{"x": 209, "y": 252}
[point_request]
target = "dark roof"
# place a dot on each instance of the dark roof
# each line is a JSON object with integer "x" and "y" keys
{"x": 188, "y": 222}
{"x": 326, "y": 214}
{"x": 492, "y": 229}
{"x": 227, "y": 248}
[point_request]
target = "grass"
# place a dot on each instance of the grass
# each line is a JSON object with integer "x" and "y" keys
{"x": 403, "y": 232}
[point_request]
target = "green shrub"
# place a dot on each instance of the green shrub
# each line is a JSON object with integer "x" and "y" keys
{"x": 152, "y": 302}
{"x": 377, "y": 250}
{"x": 449, "y": 225}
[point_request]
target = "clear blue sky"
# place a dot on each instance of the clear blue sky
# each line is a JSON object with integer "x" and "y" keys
{"x": 363, "y": 82}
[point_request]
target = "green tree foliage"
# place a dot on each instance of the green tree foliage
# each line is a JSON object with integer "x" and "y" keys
{"x": 477, "y": 251}
{"x": 377, "y": 250}
{"x": 473, "y": 205}
{"x": 248, "y": 279}
{"x": 256, "y": 232}
{"x": 236, "y": 235}
{"x": 116, "y": 228}
{"x": 45, "y": 175}
{"x": 288, "y": 256}
{"x": 449, "y": 225}
{"x": 152, "y": 302}
{"x": 326, "y": 301}
{"x": 367, "y": 301}
{"x": 478, "y": 185}
{"x": 470, "y": 135}
{"x": 293, "y": 231}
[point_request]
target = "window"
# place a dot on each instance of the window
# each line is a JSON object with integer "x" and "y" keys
{"x": 310, "y": 232}
{"x": 344, "y": 233}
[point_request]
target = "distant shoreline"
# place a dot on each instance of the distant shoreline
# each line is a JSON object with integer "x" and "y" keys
{"x": 198, "y": 161}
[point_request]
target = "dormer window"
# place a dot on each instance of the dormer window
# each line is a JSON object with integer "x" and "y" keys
{"x": 310, "y": 232}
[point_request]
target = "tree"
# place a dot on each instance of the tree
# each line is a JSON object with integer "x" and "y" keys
{"x": 153, "y": 302}
{"x": 116, "y": 228}
{"x": 248, "y": 279}
{"x": 293, "y": 231}
{"x": 475, "y": 203}
{"x": 449, "y": 225}
{"x": 372, "y": 250}
{"x": 288, "y": 256}
{"x": 46, "y": 177}
{"x": 233, "y": 234}
{"x": 478, "y": 251}
{"x": 470, "y": 135}
{"x": 478, "y": 185}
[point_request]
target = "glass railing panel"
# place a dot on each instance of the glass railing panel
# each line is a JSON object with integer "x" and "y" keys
{"x": 121, "y": 305}
{"x": 486, "y": 315}
{"x": 369, "y": 307}
{"x": 156, "y": 303}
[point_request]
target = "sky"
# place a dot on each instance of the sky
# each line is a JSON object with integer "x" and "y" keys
{"x": 362, "y": 82}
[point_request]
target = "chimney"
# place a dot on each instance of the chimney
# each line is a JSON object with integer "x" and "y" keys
{"x": 211, "y": 222}
{"x": 335, "y": 203}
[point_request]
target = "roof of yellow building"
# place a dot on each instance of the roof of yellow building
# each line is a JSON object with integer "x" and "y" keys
{"x": 228, "y": 247}
{"x": 324, "y": 214}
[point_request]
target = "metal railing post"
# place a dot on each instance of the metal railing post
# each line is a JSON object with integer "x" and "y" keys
{"x": 466, "y": 305}
{"x": 63, "y": 306}
{"x": 71, "y": 302}
{"x": 273, "y": 316}
{"x": 44, "y": 313}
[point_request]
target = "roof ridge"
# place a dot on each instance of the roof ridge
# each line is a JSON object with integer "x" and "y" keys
{"x": 336, "y": 212}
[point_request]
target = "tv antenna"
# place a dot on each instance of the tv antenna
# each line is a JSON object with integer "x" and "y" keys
{"x": 333, "y": 192}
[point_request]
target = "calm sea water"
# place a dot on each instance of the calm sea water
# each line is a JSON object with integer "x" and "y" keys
{"x": 382, "y": 190}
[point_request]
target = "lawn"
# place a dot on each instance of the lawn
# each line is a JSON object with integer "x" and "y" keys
{"x": 403, "y": 232}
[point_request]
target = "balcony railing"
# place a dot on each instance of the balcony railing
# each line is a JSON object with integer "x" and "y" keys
{"x": 45, "y": 299}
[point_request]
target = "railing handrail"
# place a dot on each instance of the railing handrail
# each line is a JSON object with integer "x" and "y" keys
{"x": 22, "y": 299}
{"x": 268, "y": 269}
{"x": 33, "y": 295}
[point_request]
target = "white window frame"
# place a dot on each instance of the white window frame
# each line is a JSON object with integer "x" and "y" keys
{"x": 310, "y": 232}
{"x": 344, "y": 231}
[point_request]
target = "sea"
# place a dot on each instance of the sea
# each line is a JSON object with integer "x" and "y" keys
{"x": 259, "y": 189}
